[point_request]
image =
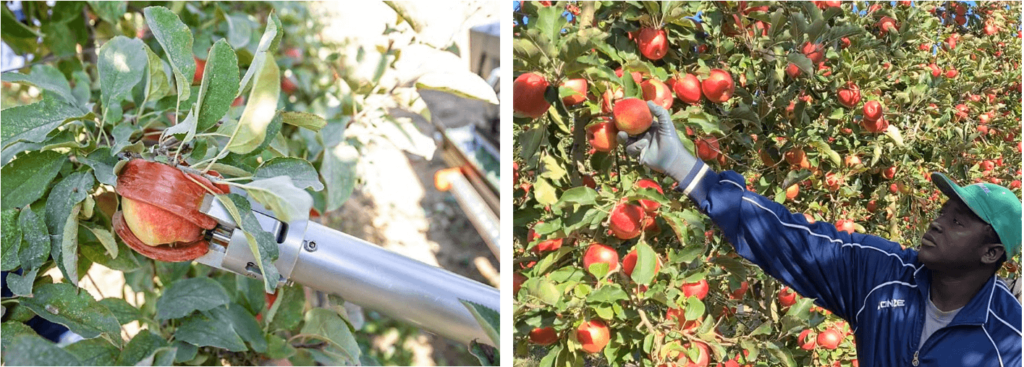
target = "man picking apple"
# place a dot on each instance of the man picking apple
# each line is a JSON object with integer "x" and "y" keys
{"x": 941, "y": 305}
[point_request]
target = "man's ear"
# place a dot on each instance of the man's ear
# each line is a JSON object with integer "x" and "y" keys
{"x": 993, "y": 253}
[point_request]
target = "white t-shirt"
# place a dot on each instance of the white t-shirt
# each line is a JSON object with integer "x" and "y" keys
{"x": 934, "y": 320}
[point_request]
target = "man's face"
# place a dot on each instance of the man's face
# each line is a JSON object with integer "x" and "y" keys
{"x": 955, "y": 240}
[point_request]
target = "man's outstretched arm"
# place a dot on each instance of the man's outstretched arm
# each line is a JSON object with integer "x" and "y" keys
{"x": 816, "y": 260}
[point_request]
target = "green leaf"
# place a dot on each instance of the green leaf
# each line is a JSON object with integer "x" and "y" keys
{"x": 268, "y": 43}
{"x": 26, "y": 178}
{"x": 279, "y": 194}
{"x": 263, "y": 245}
{"x": 580, "y": 195}
{"x": 121, "y": 65}
{"x": 260, "y": 109}
{"x": 10, "y": 331}
{"x": 306, "y": 120}
{"x": 102, "y": 162}
{"x": 338, "y": 171}
{"x": 204, "y": 331}
{"x": 33, "y": 350}
{"x": 110, "y": 11}
{"x": 286, "y": 313}
{"x": 19, "y": 36}
{"x": 69, "y": 244}
{"x": 893, "y": 133}
{"x": 240, "y": 28}
{"x": 489, "y": 320}
{"x": 22, "y": 285}
{"x": 278, "y": 348}
{"x": 44, "y": 77}
{"x": 186, "y": 352}
{"x": 544, "y": 290}
{"x": 176, "y": 40}
{"x": 486, "y": 354}
{"x": 607, "y": 294}
{"x": 244, "y": 324}
{"x": 94, "y": 352}
{"x": 694, "y": 308}
{"x": 185, "y": 130}
{"x": 802, "y": 62}
{"x": 125, "y": 261}
{"x": 158, "y": 78}
{"x": 33, "y": 122}
{"x": 163, "y": 356}
{"x": 61, "y": 303}
{"x": 647, "y": 260}
{"x": 782, "y": 353}
{"x": 823, "y": 148}
{"x": 65, "y": 195}
{"x": 464, "y": 84}
{"x": 301, "y": 172}
{"x": 217, "y": 91}
{"x": 122, "y": 137}
{"x": 183, "y": 297}
{"x": 11, "y": 241}
{"x": 143, "y": 345}
{"x": 123, "y": 312}
{"x": 35, "y": 247}
{"x": 330, "y": 327}
{"x": 544, "y": 192}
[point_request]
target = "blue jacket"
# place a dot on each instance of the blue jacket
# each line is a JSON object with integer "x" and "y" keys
{"x": 870, "y": 282}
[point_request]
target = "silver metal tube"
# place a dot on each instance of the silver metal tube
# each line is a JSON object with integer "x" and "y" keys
{"x": 400, "y": 287}
{"x": 477, "y": 211}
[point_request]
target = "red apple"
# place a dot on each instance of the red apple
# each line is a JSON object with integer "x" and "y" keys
{"x": 813, "y": 51}
{"x": 288, "y": 86}
{"x": 625, "y": 221}
{"x": 829, "y": 339}
{"x": 887, "y": 24}
{"x": 543, "y": 336}
{"x": 632, "y": 116}
{"x": 593, "y": 335}
{"x": 681, "y": 321}
{"x": 708, "y": 148}
{"x": 598, "y": 253}
{"x": 846, "y": 225}
{"x": 580, "y": 87}
{"x": 873, "y": 111}
{"x": 609, "y": 97}
{"x": 653, "y": 43}
{"x": 787, "y": 297}
{"x": 197, "y": 78}
{"x": 601, "y": 135}
{"x": 649, "y": 205}
{"x": 889, "y": 173}
{"x": 517, "y": 283}
{"x": 655, "y": 90}
{"x": 687, "y": 88}
{"x": 849, "y": 97}
{"x": 807, "y": 340}
{"x": 718, "y": 87}
{"x": 697, "y": 289}
{"x": 793, "y": 71}
{"x": 528, "y": 95}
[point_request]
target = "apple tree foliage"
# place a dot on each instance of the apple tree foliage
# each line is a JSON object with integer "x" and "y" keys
{"x": 961, "y": 116}
{"x": 250, "y": 90}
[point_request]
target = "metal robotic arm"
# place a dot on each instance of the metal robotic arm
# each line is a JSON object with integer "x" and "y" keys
{"x": 360, "y": 272}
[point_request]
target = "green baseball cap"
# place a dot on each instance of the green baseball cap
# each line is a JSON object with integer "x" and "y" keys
{"x": 994, "y": 204}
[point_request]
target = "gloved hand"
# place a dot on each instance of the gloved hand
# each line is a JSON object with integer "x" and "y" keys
{"x": 660, "y": 148}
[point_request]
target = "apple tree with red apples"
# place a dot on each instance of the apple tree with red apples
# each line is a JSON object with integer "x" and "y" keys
{"x": 838, "y": 110}
{"x": 124, "y": 117}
